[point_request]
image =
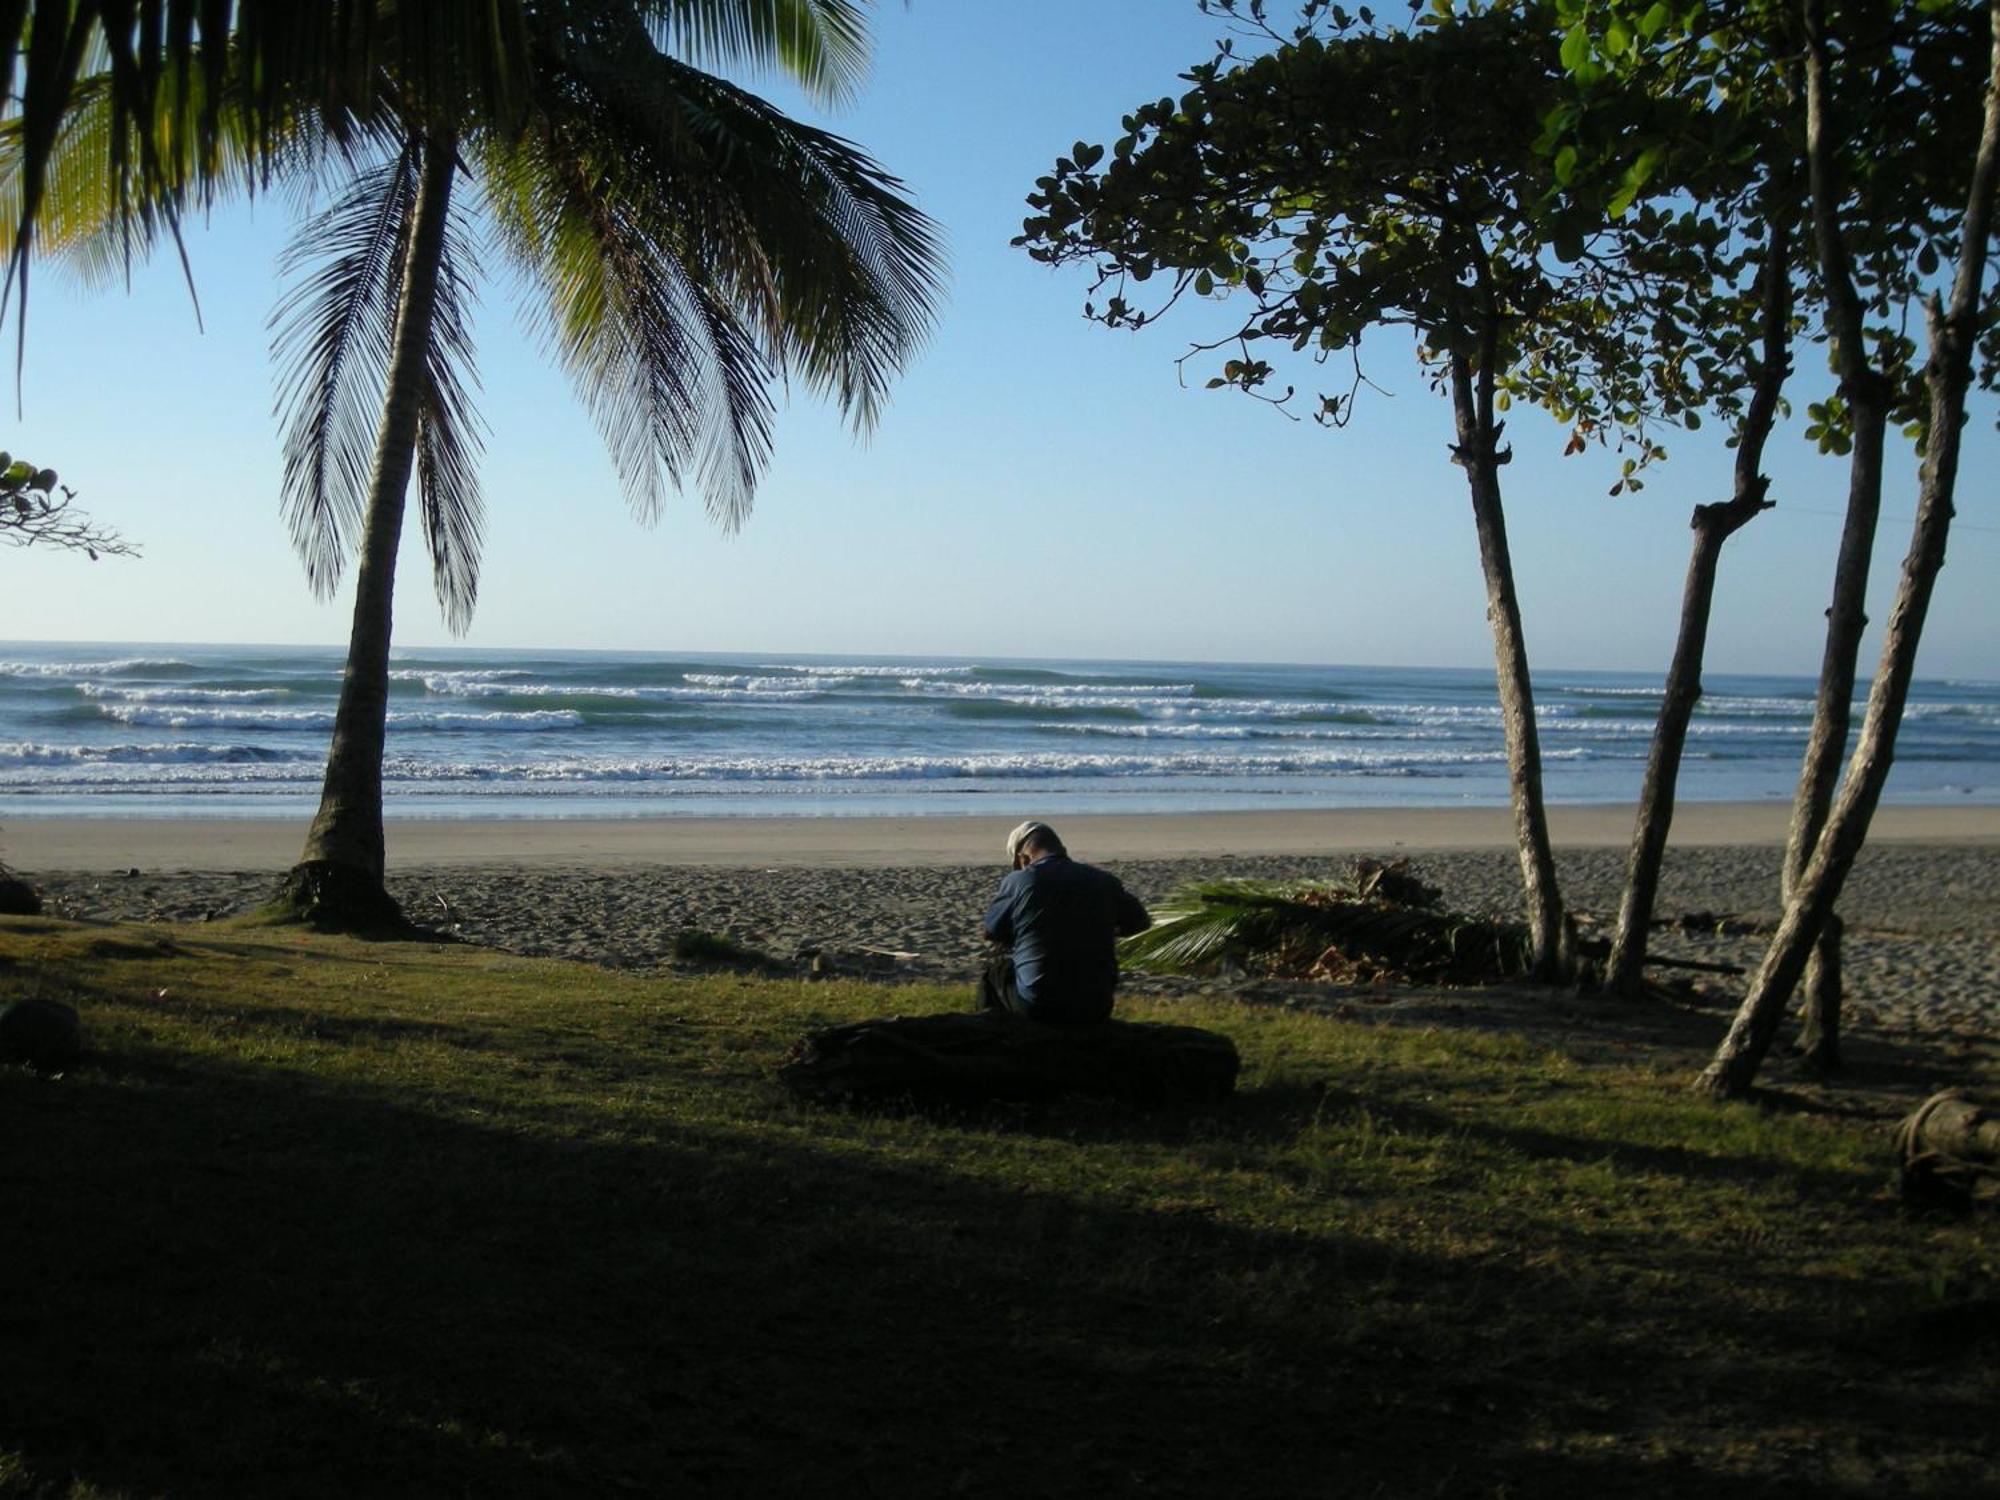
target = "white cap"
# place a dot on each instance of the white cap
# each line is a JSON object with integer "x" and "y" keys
{"x": 1021, "y": 836}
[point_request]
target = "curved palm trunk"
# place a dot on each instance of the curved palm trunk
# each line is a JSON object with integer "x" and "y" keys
{"x": 1713, "y": 525}
{"x": 339, "y": 876}
{"x": 1478, "y": 450}
{"x": 1947, "y": 374}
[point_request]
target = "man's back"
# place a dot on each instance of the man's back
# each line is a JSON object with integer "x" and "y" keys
{"x": 1062, "y": 920}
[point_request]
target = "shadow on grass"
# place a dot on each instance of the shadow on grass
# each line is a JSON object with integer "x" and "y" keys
{"x": 232, "y": 1280}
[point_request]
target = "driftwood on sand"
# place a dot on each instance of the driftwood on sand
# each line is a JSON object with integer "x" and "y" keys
{"x": 970, "y": 1058}
{"x": 1948, "y": 1152}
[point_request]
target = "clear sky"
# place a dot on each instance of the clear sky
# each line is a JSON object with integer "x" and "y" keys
{"x": 1039, "y": 486}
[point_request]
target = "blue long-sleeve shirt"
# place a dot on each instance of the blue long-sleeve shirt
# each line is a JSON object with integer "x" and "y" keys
{"x": 1062, "y": 921}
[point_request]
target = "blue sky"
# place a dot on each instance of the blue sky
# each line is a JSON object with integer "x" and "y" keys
{"x": 1039, "y": 486}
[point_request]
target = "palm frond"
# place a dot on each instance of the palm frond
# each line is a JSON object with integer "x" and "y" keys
{"x": 820, "y": 44}
{"x": 671, "y": 377}
{"x": 175, "y": 69}
{"x": 806, "y": 237}
{"x": 96, "y": 220}
{"x": 1323, "y": 929}
{"x": 856, "y": 268}
{"x": 448, "y": 437}
{"x": 333, "y": 332}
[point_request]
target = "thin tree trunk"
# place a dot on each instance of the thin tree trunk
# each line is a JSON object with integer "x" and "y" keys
{"x": 1833, "y": 708}
{"x": 1713, "y": 525}
{"x": 339, "y": 876}
{"x": 1867, "y": 394}
{"x": 1819, "y": 1033}
{"x": 1478, "y": 451}
{"x": 1947, "y": 375}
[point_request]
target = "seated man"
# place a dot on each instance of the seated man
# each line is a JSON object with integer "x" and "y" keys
{"x": 1060, "y": 922}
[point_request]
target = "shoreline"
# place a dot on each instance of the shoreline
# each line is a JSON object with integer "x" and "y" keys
{"x": 35, "y": 844}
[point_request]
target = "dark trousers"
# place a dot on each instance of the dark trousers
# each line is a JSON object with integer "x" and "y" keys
{"x": 997, "y": 991}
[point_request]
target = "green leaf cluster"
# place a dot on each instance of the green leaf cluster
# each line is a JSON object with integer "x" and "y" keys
{"x": 20, "y": 479}
{"x": 1336, "y": 184}
{"x": 1611, "y": 266}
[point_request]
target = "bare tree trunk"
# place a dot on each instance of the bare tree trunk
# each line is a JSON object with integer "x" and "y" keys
{"x": 1819, "y": 1034}
{"x": 1713, "y": 525}
{"x": 1947, "y": 375}
{"x": 1867, "y": 394}
{"x": 1478, "y": 451}
{"x": 339, "y": 876}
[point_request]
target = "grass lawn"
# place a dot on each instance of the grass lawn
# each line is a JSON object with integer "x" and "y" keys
{"x": 320, "y": 1217}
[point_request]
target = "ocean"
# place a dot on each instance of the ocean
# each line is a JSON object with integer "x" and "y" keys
{"x": 181, "y": 731}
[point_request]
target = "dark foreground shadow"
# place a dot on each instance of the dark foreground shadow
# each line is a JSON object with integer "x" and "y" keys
{"x": 226, "y": 1280}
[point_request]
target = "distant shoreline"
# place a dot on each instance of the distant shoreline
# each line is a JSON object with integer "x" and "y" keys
{"x": 249, "y": 844}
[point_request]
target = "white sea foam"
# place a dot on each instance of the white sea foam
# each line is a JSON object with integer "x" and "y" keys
{"x": 86, "y": 668}
{"x": 875, "y": 671}
{"x": 1045, "y": 692}
{"x": 509, "y": 689}
{"x": 1979, "y": 714}
{"x": 1261, "y": 731}
{"x": 702, "y": 688}
{"x": 1161, "y": 731}
{"x": 160, "y": 716}
{"x": 469, "y": 683}
{"x": 101, "y": 690}
{"x": 1028, "y": 765}
{"x": 31, "y": 753}
{"x": 994, "y": 765}
{"x": 765, "y": 687}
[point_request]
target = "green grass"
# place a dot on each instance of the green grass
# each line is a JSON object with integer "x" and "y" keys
{"x": 319, "y": 1217}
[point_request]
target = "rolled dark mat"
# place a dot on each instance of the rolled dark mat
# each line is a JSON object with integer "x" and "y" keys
{"x": 45, "y": 1034}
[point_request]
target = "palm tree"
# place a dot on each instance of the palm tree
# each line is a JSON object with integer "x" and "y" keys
{"x": 685, "y": 244}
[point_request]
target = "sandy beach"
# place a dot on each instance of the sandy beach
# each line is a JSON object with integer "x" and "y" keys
{"x": 900, "y": 898}
{"x": 244, "y": 844}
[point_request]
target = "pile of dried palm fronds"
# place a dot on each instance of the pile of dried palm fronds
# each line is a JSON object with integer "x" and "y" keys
{"x": 1382, "y": 925}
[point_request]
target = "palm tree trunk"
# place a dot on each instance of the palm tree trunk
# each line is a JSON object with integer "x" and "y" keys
{"x": 1713, "y": 525}
{"x": 339, "y": 877}
{"x": 1947, "y": 374}
{"x": 1478, "y": 451}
